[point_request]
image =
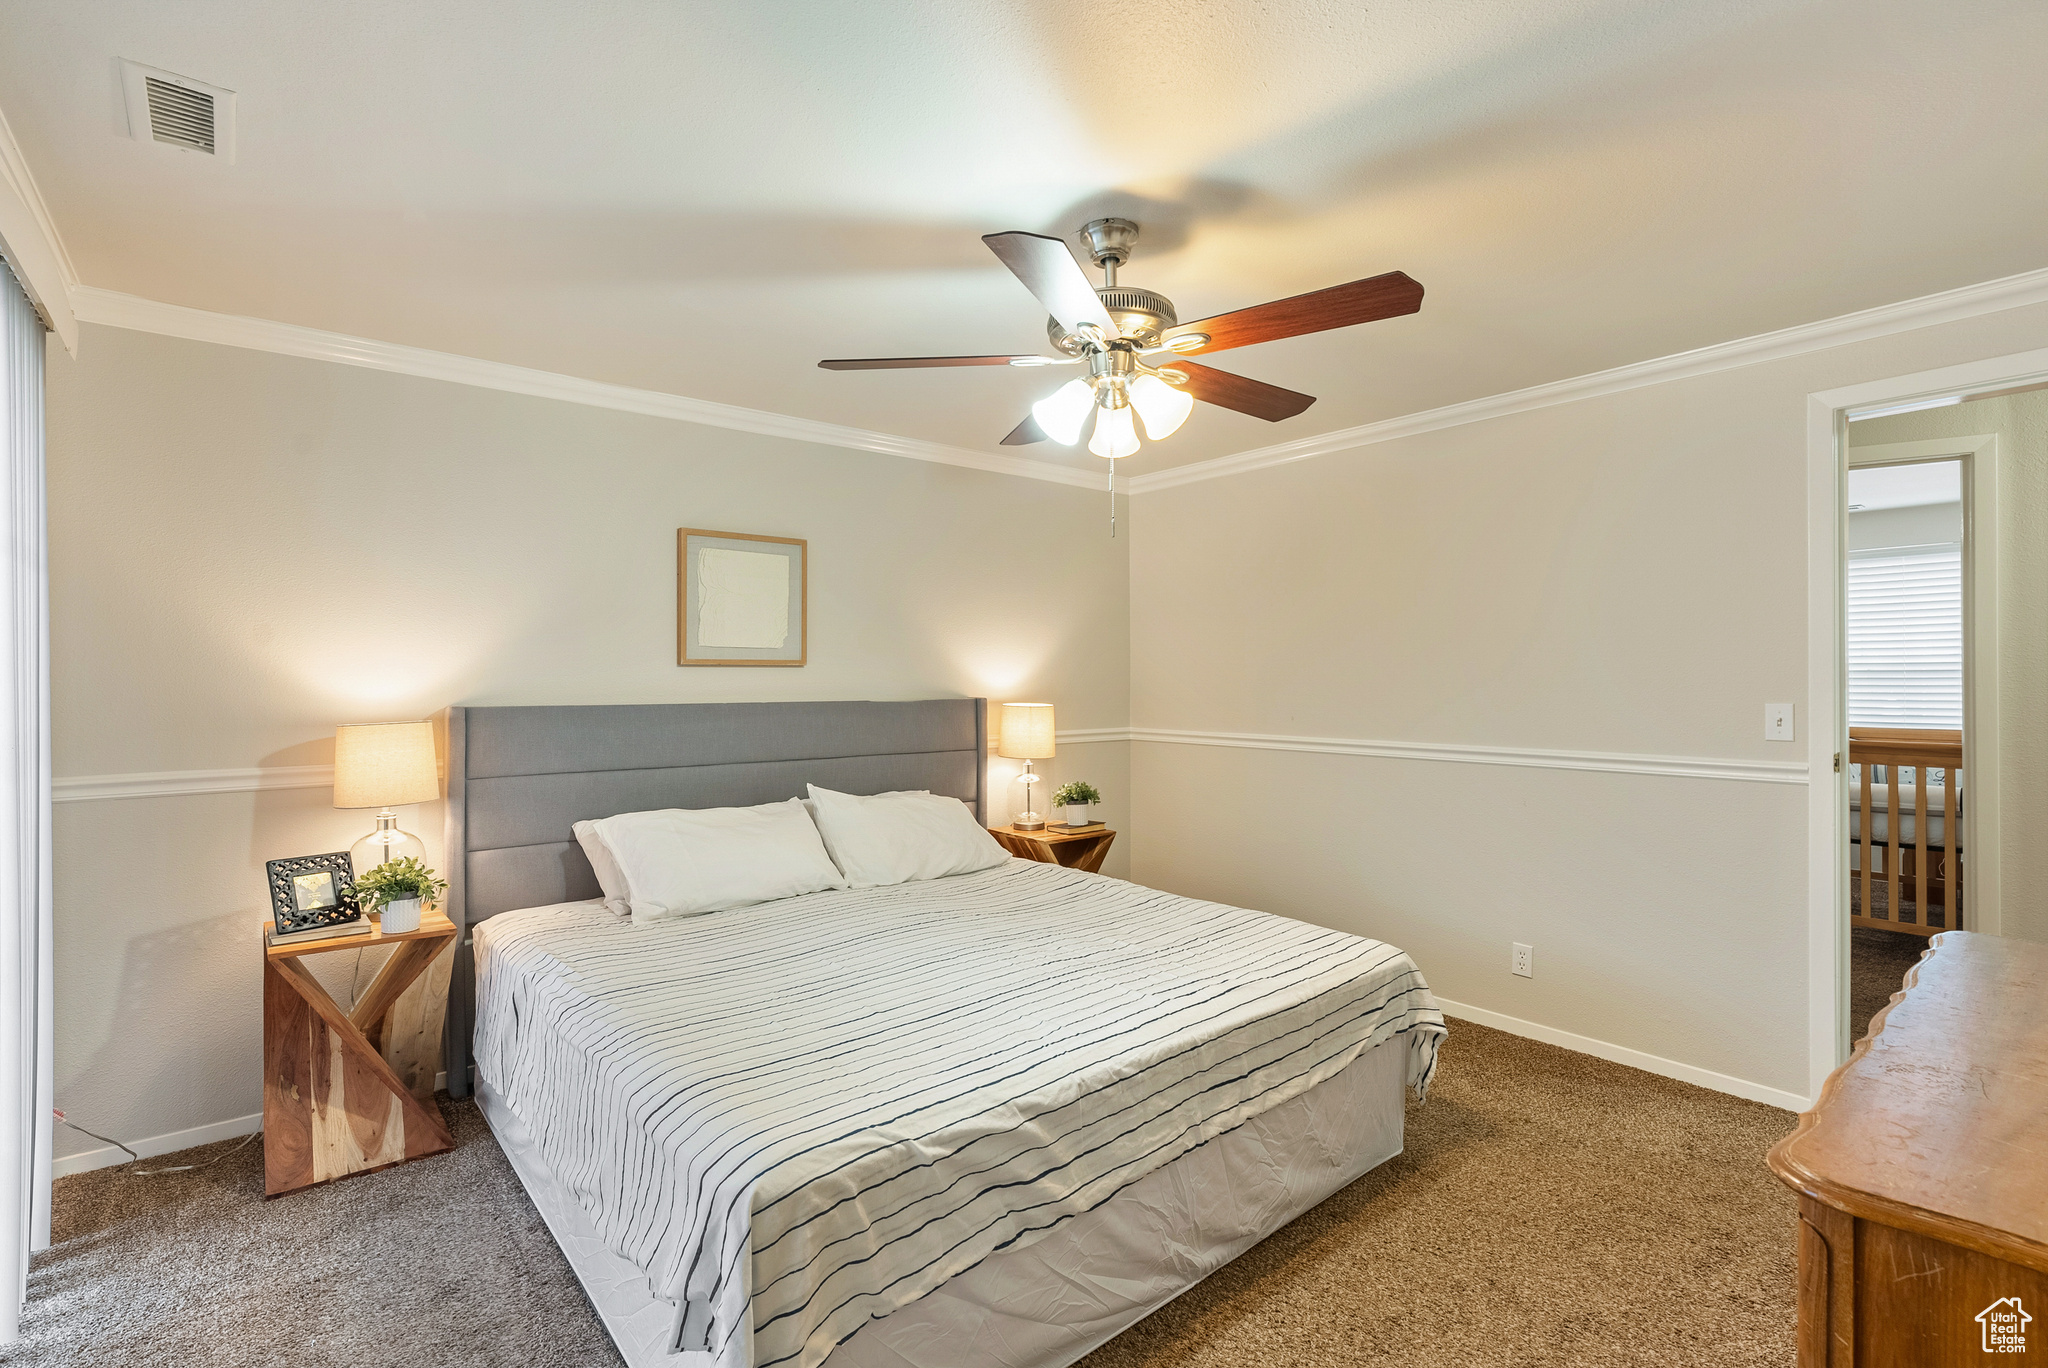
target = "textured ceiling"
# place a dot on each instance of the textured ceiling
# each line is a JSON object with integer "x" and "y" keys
{"x": 707, "y": 198}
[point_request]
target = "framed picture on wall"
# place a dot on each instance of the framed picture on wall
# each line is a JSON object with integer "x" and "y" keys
{"x": 741, "y": 599}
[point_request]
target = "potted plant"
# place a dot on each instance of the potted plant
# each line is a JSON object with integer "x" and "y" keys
{"x": 1075, "y": 798}
{"x": 399, "y": 887}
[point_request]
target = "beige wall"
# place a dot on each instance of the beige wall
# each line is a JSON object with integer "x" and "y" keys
{"x": 2020, "y": 421}
{"x": 1621, "y": 574}
{"x": 247, "y": 549}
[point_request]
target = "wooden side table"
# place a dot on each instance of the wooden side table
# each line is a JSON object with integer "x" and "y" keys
{"x": 331, "y": 1106}
{"x": 1074, "y": 849}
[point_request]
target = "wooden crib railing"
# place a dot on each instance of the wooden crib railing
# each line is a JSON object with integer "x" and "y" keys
{"x": 1922, "y": 881}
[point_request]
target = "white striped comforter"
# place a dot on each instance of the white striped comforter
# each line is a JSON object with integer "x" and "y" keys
{"x": 822, "y": 1108}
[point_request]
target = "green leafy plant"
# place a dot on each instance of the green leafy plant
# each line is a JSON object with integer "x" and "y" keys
{"x": 397, "y": 880}
{"x": 1080, "y": 791}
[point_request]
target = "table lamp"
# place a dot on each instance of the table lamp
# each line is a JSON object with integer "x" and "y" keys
{"x": 1026, "y": 735}
{"x": 384, "y": 765}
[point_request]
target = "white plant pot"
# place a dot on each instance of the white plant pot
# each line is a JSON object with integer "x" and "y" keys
{"x": 401, "y": 914}
{"x": 1077, "y": 814}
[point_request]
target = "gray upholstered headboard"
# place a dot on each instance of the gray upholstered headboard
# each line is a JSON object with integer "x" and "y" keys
{"x": 518, "y": 778}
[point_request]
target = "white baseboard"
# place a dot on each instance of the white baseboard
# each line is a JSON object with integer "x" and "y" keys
{"x": 1621, "y": 1054}
{"x": 171, "y": 1141}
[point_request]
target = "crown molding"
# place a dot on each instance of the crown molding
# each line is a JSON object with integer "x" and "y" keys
{"x": 1949, "y": 306}
{"x": 30, "y": 242}
{"x": 94, "y": 305}
{"x": 113, "y": 309}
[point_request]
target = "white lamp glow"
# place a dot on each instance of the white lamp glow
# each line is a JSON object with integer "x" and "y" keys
{"x": 1163, "y": 407}
{"x": 1060, "y": 414}
{"x": 1114, "y": 434}
{"x": 385, "y": 765}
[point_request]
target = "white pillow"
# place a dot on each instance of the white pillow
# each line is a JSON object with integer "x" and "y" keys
{"x": 681, "y": 862}
{"x": 609, "y": 876}
{"x": 894, "y": 838}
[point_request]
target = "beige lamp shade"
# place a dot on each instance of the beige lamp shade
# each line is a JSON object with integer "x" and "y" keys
{"x": 384, "y": 764}
{"x": 1027, "y": 731}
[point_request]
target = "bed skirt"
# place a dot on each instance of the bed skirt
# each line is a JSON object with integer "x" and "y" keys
{"x": 1084, "y": 1282}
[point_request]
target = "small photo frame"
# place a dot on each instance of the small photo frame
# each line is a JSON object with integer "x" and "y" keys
{"x": 312, "y": 892}
{"x": 741, "y": 599}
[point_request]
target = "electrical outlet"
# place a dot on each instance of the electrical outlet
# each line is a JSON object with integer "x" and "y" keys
{"x": 1524, "y": 962}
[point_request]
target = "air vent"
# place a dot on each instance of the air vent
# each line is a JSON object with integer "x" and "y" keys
{"x": 165, "y": 107}
{"x": 181, "y": 115}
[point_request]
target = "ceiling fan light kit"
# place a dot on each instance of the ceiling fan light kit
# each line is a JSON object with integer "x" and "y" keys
{"x": 1162, "y": 407}
{"x": 1113, "y": 328}
{"x": 1114, "y": 437}
{"x": 1061, "y": 414}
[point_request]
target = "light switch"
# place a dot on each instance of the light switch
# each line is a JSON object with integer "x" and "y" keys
{"x": 1778, "y": 722}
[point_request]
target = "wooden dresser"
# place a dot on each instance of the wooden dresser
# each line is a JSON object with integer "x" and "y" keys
{"x": 1923, "y": 1172}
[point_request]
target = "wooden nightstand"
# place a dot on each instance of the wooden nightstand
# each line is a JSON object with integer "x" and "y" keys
{"x": 331, "y": 1105}
{"x": 1074, "y": 849}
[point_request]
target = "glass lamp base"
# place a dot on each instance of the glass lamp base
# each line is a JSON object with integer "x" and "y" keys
{"x": 1027, "y": 820}
{"x": 383, "y": 845}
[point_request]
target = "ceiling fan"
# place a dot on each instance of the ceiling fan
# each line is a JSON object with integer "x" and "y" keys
{"x": 1114, "y": 329}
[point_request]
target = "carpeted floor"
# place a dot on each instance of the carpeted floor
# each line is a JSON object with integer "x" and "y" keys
{"x": 1878, "y": 961}
{"x": 1550, "y": 1208}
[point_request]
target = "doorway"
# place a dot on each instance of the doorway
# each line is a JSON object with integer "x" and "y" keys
{"x": 1909, "y": 657}
{"x": 1988, "y": 422}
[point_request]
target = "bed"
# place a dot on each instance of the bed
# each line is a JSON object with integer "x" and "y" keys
{"x": 989, "y": 1119}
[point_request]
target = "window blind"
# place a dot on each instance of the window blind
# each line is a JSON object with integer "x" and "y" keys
{"x": 25, "y": 965}
{"x": 1905, "y": 637}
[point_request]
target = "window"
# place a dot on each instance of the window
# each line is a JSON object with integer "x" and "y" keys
{"x": 1905, "y": 637}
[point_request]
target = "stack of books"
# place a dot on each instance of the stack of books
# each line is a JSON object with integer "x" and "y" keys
{"x": 358, "y": 927}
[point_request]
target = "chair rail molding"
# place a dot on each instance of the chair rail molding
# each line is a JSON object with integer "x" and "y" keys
{"x": 87, "y": 788}
{"x": 181, "y": 783}
{"x": 1611, "y": 762}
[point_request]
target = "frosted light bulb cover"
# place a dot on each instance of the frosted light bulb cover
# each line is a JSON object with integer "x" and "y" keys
{"x": 1060, "y": 414}
{"x": 1163, "y": 407}
{"x": 1114, "y": 434}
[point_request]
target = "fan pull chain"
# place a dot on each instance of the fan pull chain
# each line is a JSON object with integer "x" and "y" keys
{"x": 1112, "y": 501}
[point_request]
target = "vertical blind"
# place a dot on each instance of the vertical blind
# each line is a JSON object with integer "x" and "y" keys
{"x": 25, "y": 1064}
{"x": 1905, "y": 630}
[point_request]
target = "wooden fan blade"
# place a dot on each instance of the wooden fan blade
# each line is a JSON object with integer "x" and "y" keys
{"x": 1225, "y": 390}
{"x": 913, "y": 362}
{"x": 1049, "y": 271}
{"x": 1025, "y": 433}
{"x": 1340, "y": 306}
